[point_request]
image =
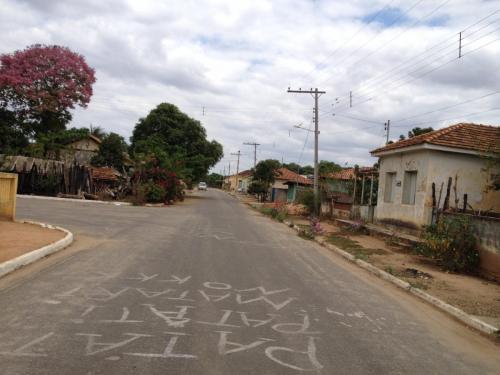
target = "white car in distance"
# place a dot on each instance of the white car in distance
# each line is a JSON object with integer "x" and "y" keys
{"x": 202, "y": 186}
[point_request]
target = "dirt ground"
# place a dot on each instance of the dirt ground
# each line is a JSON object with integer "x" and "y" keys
{"x": 17, "y": 239}
{"x": 474, "y": 295}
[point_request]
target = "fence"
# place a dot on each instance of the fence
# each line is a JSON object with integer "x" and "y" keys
{"x": 487, "y": 232}
{"x": 8, "y": 188}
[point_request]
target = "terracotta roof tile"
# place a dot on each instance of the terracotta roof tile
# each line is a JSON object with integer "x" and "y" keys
{"x": 288, "y": 175}
{"x": 482, "y": 138}
{"x": 105, "y": 173}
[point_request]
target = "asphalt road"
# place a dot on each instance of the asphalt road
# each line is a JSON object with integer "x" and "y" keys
{"x": 211, "y": 287}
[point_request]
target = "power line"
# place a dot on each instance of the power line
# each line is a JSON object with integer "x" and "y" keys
{"x": 449, "y": 106}
{"x": 373, "y": 90}
{"x": 365, "y": 24}
{"x": 408, "y": 28}
{"x": 423, "y": 74}
{"x": 399, "y": 68}
{"x": 379, "y": 34}
{"x": 453, "y": 43}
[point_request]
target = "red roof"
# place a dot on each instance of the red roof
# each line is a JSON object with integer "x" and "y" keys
{"x": 482, "y": 138}
{"x": 105, "y": 173}
{"x": 287, "y": 175}
{"x": 344, "y": 174}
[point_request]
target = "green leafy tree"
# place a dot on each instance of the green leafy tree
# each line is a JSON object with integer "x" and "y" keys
{"x": 416, "y": 131}
{"x": 49, "y": 145}
{"x": 214, "y": 180}
{"x": 264, "y": 174}
{"x": 98, "y": 132}
{"x": 307, "y": 170}
{"x": 326, "y": 167}
{"x": 13, "y": 140}
{"x": 112, "y": 152}
{"x": 176, "y": 138}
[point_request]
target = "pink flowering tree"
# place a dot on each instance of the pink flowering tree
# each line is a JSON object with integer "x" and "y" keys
{"x": 40, "y": 84}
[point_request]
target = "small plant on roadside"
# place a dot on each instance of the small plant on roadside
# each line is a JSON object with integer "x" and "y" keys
{"x": 154, "y": 193}
{"x": 452, "y": 243}
{"x": 306, "y": 234}
{"x": 315, "y": 225}
{"x": 306, "y": 198}
{"x": 357, "y": 227}
{"x": 418, "y": 285}
{"x": 390, "y": 270}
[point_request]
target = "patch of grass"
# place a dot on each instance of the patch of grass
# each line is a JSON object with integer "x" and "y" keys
{"x": 390, "y": 270}
{"x": 344, "y": 243}
{"x": 353, "y": 247}
{"x": 418, "y": 284}
{"x": 306, "y": 234}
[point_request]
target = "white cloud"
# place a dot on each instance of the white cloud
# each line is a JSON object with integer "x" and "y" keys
{"x": 236, "y": 59}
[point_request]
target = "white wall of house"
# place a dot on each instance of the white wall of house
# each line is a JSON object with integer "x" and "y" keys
{"x": 473, "y": 177}
{"x": 390, "y": 206}
{"x": 436, "y": 166}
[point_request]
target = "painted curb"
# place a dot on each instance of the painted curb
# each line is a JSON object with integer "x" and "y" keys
{"x": 453, "y": 311}
{"x": 115, "y": 203}
{"x": 28, "y": 258}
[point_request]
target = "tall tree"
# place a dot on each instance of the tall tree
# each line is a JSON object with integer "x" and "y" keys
{"x": 111, "y": 152}
{"x": 327, "y": 167}
{"x": 264, "y": 174}
{"x": 42, "y": 83}
{"x": 177, "y": 137}
{"x": 416, "y": 131}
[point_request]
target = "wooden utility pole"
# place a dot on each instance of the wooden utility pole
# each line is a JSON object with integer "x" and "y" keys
{"x": 316, "y": 94}
{"x": 254, "y": 151}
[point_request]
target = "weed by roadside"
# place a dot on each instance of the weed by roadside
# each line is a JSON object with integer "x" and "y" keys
{"x": 418, "y": 285}
{"x": 353, "y": 247}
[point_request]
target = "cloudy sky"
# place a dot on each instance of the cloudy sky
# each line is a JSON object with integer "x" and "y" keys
{"x": 228, "y": 63}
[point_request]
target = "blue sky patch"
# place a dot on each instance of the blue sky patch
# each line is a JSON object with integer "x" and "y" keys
{"x": 387, "y": 17}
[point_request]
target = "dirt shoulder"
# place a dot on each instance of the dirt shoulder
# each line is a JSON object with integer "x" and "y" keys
{"x": 19, "y": 238}
{"x": 474, "y": 295}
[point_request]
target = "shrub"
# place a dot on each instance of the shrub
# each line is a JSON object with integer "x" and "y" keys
{"x": 154, "y": 193}
{"x": 452, "y": 242}
{"x": 306, "y": 198}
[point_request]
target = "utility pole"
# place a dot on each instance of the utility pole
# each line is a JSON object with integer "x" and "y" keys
{"x": 237, "y": 168}
{"x": 254, "y": 151}
{"x": 238, "y": 162}
{"x": 316, "y": 94}
{"x": 387, "y": 130}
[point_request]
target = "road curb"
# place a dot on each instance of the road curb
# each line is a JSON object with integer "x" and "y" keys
{"x": 28, "y": 258}
{"x": 453, "y": 311}
{"x": 23, "y": 196}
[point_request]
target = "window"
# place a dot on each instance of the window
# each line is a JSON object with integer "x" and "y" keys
{"x": 390, "y": 180}
{"x": 409, "y": 187}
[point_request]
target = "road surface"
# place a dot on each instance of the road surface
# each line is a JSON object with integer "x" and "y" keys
{"x": 211, "y": 287}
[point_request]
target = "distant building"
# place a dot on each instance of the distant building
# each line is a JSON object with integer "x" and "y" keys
{"x": 80, "y": 151}
{"x": 286, "y": 185}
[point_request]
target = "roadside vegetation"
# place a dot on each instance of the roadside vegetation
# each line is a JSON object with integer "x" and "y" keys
{"x": 40, "y": 85}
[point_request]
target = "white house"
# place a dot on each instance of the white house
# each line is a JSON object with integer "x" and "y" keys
{"x": 408, "y": 169}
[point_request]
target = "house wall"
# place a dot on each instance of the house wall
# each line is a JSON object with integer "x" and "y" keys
{"x": 82, "y": 151}
{"x": 473, "y": 177}
{"x": 395, "y": 212}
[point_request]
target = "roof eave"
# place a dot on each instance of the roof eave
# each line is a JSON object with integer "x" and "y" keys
{"x": 425, "y": 146}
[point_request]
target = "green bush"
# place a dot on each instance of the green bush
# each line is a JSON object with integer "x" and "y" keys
{"x": 154, "y": 193}
{"x": 306, "y": 198}
{"x": 452, "y": 242}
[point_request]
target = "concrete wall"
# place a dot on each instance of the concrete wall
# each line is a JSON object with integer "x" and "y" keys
{"x": 412, "y": 215}
{"x": 487, "y": 233}
{"x": 8, "y": 189}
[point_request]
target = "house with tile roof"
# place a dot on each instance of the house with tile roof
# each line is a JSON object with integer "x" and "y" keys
{"x": 286, "y": 184}
{"x": 410, "y": 167}
{"x": 239, "y": 182}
